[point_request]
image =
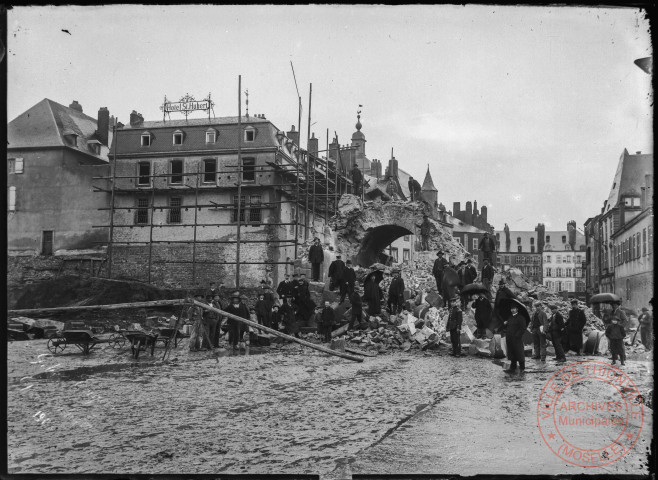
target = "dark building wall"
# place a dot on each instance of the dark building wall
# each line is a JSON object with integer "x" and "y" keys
{"x": 56, "y": 193}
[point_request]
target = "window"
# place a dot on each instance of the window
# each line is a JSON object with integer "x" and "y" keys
{"x": 567, "y": 247}
{"x": 579, "y": 272}
{"x": 568, "y": 286}
{"x": 475, "y": 244}
{"x": 235, "y": 209}
{"x": 567, "y": 259}
{"x": 650, "y": 238}
{"x": 564, "y": 239}
{"x": 406, "y": 255}
{"x": 518, "y": 240}
{"x": 532, "y": 240}
{"x": 638, "y": 243}
{"x": 548, "y": 259}
{"x": 209, "y": 170}
{"x": 506, "y": 259}
{"x": 632, "y": 201}
{"x": 498, "y": 260}
{"x": 548, "y": 239}
{"x": 248, "y": 170}
{"x": 175, "y": 210}
{"x": 519, "y": 248}
{"x": 558, "y": 272}
{"x": 394, "y": 254}
{"x": 644, "y": 242}
{"x": 142, "y": 212}
{"x": 176, "y": 171}
{"x": 568, "y": 272}
{"x": 211, "y": 136}
{"x": 144, "y": 173}
{"x": 549, "y": 285}
{"x": 254, "y": 209}
{"x": 11, "y": 201}
{"x": 406, "y": 238}
{"x": 15, "y": 165}
{"x": 579, "y": 259}
{"x": 532, "y": 249}
{"x": 558, "y": 286}
{"x": 47, "y": 242}
{"x": 178, "y": 137}
{"x": 249, "y": 134}
{"x": 558, "y": 258}
{"x": 146, "y": 139}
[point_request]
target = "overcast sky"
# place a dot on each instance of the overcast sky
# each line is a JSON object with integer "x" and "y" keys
{"x": 524, "y": 109}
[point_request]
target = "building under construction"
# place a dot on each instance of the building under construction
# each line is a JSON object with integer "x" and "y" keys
{"x": 217, "y": 199}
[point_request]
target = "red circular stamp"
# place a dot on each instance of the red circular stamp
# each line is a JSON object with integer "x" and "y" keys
{"x": 590, "y": 414}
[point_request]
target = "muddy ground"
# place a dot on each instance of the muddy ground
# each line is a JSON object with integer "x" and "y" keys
{"x": 284, "y": 409}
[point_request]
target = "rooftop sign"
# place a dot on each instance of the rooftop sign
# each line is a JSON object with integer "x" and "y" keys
{"x": 186, "y": 105}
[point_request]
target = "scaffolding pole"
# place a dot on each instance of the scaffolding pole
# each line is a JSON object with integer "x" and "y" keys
{"x": 151, "y": 234}
{"x": 114, "y": 172}
{"x": 237, "y": 246}
{"x": 308, "y": 158}
{"x": 196, "y": 211}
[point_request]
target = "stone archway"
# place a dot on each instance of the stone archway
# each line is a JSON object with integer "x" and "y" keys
{"x": 363, "y": 229}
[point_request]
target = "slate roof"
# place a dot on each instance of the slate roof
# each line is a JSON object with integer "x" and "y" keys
{"x": 428, "y": 184}
{"x": 194, "y": 131}
{"x": 629, "y": 176}
{"x": 45, "y": 124}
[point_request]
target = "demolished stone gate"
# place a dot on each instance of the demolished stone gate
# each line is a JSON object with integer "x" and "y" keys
{"x": 362, "y": 230}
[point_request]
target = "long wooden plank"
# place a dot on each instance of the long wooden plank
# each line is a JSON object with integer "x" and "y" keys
{"x": 115, "y": 306}
{"x": 279, "y": 334}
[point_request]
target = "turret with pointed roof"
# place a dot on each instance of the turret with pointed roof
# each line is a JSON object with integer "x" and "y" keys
{"x": 428, "y": 192}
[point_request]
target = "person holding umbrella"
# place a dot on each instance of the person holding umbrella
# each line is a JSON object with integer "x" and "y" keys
{"x": 481, "y": 306}
{"x": 516, "y": 325}
{"x": 555, "y": 330}
{"x": 575, "y": 323}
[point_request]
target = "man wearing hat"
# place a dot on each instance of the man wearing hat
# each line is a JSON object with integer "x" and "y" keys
{"x": 285, "y": 287}
{"x": 396, "y": 293}
{"x": 555, "y": 331}
{"x": 454, "y": 326}
{"x": 236, "y": 328}
{"x": 336, "y": 272}
{"x": 349, "y": 279}
{"x": 483, "y": 311}
{"x": 574, "y": 327}
{"x": 539, "y": 329}
{"x": 470, "y": 272}
{"x": 488, "y": 247}
{"x": 646, "y": 328}
{"x": 437, "y": 270}
{"x": 425, "y": 230}
{"x": 316, "y": 257}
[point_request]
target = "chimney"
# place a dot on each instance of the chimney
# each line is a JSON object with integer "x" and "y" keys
{"x": 648, "y": 191}
{"x": 76, "y": 106}
{"x": 475, "y": 207}
{"x": 313, "y": 145}
{"x": 293, "y": 135}
{"x": 483, "y": 213}
{"x": 376, "y": 168}
{"x": 333, "y": 148}
{"x": 103, "y": 125}
{"x": 393, "y": 167}
{"x": 571, "y": 234}
{"x": 541, "y": 237}
{"x": 469, "y": 213}
{"x": 639, "y": 152}
{"x": 136, "y": 119}
{"x": 455, "y": 208}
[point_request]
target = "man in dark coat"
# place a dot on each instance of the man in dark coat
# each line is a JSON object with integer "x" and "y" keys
{"x": 487, "y": 276}
{"x": 356, "y": 310}
{"x": 301, "y": 300}
{"x": 515, "y": 328}
{"x": 575, "y": 323}
{"x": 454, "y": 326}
{"x": 470, "y": 272}
{"x": 336, "y": 272}
{"x": 316, "y": 257}
{"x": 503, "y": 292}
{"x": 236, "y": 328}
{"x": 288, "y": 318}
{"x": 450, "y": 283}
{"x": 437, "y": 271}
{"x": 214, "y": 335}
{"x": 483, "y": 311}
{"x": 396, "y": 293}
{"x": 425, "y": 230}
{"x": 286, "y": 287}
{"x": 539, "y": 329}
{"x": 616, "y": 334}
{"x": 414, "y": 189}
{"x": 212, "y": 291}
{"x": 555, "y": 331}
{"x": 349, "y": 280}
{"x": 646, "y": 328}
{"x": 373, "y": 295}
{"x": 357, "y": 180}
{"x": 263, "y": 310}
{"x": 488, "y": 247}
{"x": 328, "y": 319}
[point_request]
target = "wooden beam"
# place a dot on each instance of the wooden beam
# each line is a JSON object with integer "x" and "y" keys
{"x": 115, "y": 306}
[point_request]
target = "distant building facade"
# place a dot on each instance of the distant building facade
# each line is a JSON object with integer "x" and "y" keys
{"x": 53, "y": 154}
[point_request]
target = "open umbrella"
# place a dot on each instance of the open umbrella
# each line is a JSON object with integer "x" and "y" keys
{"x": 605, "y": 298}
{"x": 378, "y": 274}
{"x": 628, "y": 311}
{"x": 473, "y": 288}
{"x": 505, "y": 305}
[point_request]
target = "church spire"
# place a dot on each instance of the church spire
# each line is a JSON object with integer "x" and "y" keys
{"x": 428, "y": 184}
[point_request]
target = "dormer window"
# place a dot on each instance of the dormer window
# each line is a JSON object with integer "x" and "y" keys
{"x": 178, "y": 137}
{"x": 71, "y": 138}
{"x": 211, "y": 135}
{"x": 146, "y": 139}
{"x": 94, "y": 146}
{"x": 249, "y": 134}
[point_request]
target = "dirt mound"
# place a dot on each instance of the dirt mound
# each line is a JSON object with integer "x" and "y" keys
{"x": 74, "y": 291}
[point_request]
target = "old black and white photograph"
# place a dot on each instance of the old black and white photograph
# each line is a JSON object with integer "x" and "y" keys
{"x": 329, "y": 241}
